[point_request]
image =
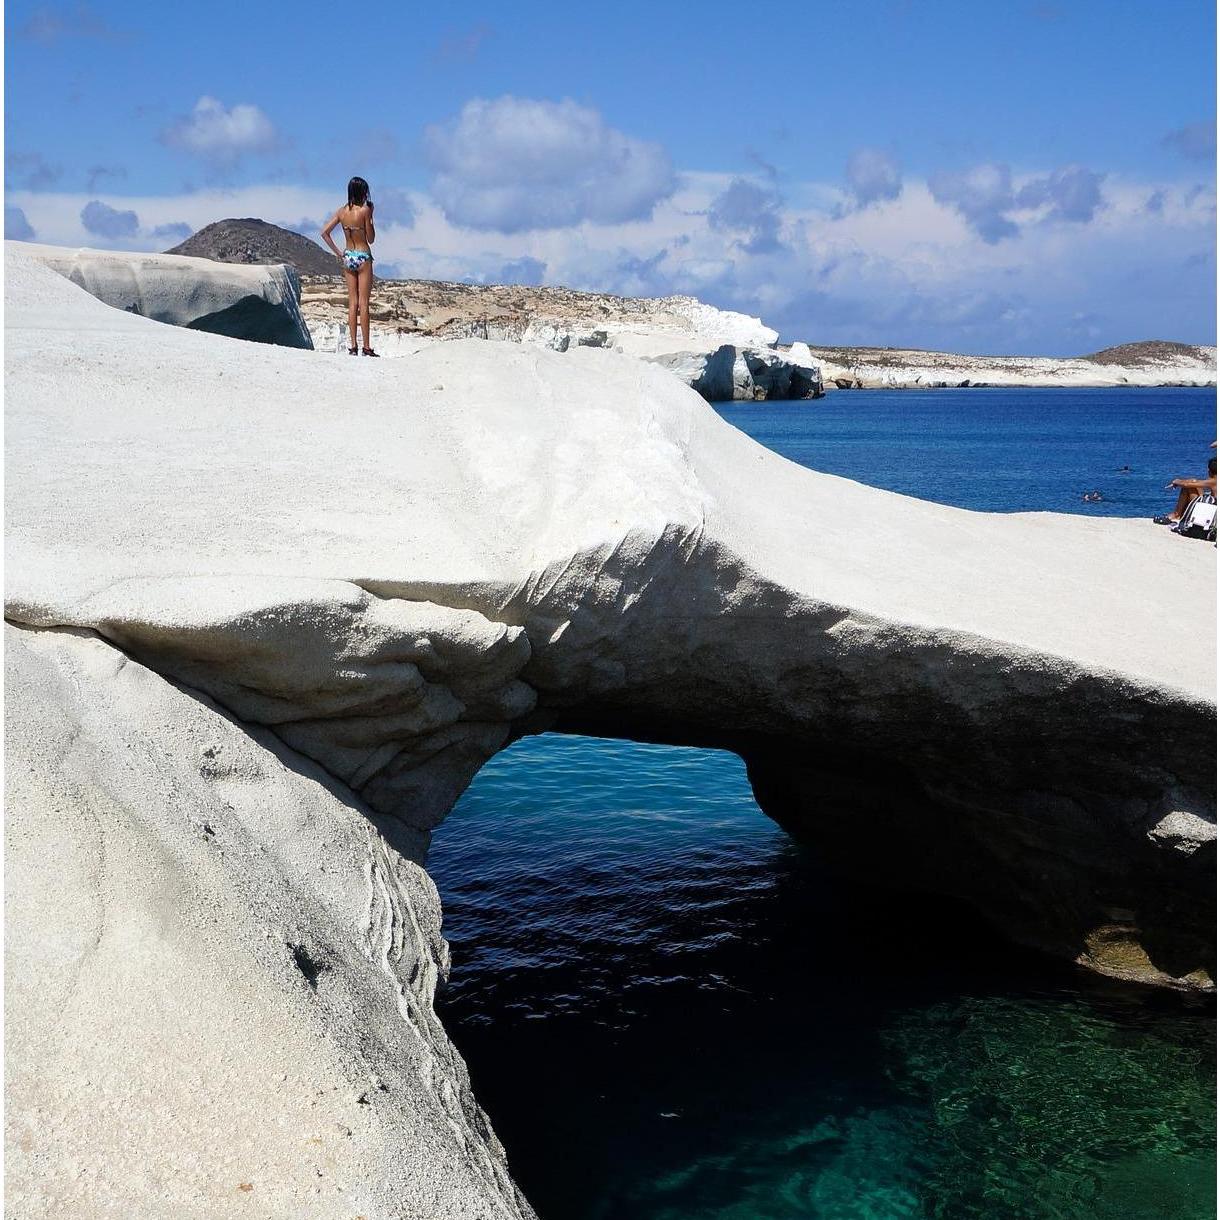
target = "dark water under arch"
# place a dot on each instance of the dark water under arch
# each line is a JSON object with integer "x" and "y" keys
{"x": 671, "y": 1012}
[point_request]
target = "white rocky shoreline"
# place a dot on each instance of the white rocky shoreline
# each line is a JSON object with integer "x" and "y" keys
{"x": 268, "y": 613}
{"x": 1133, "y": 364}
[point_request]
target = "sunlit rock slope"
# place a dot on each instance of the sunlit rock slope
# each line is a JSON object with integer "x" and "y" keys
{"x": 272, "y": 611}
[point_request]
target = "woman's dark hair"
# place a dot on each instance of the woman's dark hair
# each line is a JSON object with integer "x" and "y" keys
{"x": 1211, "y": 467}
{"x": 357, "y": 192}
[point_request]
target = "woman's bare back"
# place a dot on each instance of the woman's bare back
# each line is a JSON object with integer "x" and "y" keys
{"x": 355, "y": 221}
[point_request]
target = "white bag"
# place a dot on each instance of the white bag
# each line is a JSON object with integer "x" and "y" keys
{"x": 1199, "y": 519}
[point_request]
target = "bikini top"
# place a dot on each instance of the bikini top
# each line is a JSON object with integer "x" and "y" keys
{"x": 349, "y": 229}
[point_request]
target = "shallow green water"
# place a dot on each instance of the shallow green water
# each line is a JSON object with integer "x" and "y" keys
{"x": 672, "y": 1013}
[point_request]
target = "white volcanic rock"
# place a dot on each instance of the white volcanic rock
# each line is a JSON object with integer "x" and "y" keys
{"x": 1134, "y": 364}
{"x": 390, "y": 569}
{"x": 800, "y": 355}
{"x": 743, "y": 374}
{"x": 259, "y": 303}
{"x": 219, "y": 976}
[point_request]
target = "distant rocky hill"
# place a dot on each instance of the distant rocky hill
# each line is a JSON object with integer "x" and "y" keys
{"x": 1152, "y": 362}
{"x": 255, "y": 241}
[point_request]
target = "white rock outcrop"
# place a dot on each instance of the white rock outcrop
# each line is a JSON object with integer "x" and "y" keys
{"x": 743, "y": 374}
{"x": 258, "y": 303}
{"x": 219, "y": 976}
{"x": 262, "y": 638}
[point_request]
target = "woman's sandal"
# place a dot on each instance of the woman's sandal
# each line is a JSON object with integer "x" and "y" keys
{"x": 351, "y": 351}
{"x": 368, "y": 351}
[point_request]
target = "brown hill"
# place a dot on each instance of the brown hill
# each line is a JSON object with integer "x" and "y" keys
{"x": 255, "y": 241}
{"x": 1149, "y": 351}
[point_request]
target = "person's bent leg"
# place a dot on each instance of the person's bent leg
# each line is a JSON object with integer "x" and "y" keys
{"x": 1185, "y": 496}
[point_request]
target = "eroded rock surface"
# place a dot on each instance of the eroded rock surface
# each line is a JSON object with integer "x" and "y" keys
{"x": 744, "y": 374}
{"x": 257, "y": 303}
{"x": 389, "y": 569}
{"x": 219, "y": 975}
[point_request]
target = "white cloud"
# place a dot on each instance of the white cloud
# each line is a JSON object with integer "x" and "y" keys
{"x": 749, "y": 211}
{"x": 222, "y": 136}
{"x": 906, "y": 271}
{"x": 873, "y": 176}
{"x": 983, "y": 195}
{"x": 1070, "y": 193}
{"x": 513, "y": 165}
{"x": 989, "y": 201}
{"x": 30, "y": 171}
{"x": 1195, "y": 141}
{"x": 16, "y": 226}
{"x": 175, "y": 231}
{"x": 524, "y": 270}
{"x": 394, "y": 207}
{"x": 98, "y": 173}
{"x": 102, "y": 220}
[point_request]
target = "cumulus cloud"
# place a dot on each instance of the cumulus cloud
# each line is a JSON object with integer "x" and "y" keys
{"x": 1195, "y": 141}
{"x": 982, "y": 196}
{"x": 750, "y": 211}
{"x": 222, "y": 135}
{"x": 307, "y": 226}
{"x": 104, "y": 221}
{"x": 640, "y": 275}
{"x": 986, "y": 198}
{"x": 16, "y": 227}
{"x": 97, "y": 174}
{"x": 1069, "y": 193}
{"x": 873, "y": 176}
{"x": 517, "y": 164}
{"x": 30, "y": 172}
{"x": 177, "y": 230}
{"x": 393, "y": 207}
{"x": 524, "y": 270}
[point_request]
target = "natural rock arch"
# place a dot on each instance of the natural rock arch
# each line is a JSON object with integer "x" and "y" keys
{"x": 369, "y": 576}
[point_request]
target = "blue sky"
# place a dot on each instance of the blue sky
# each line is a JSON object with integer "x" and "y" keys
{"x": 1002, "y": 177}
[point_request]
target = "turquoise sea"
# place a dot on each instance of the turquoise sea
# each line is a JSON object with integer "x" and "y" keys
{"x": 672, "y": 1012}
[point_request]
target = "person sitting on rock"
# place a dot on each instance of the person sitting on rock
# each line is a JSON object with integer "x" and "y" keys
{"x": 1188, "y": 490}
{"x": 356, "y": 217}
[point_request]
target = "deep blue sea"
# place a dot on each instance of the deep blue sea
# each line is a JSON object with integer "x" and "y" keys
{"x": 672, "y": 1013}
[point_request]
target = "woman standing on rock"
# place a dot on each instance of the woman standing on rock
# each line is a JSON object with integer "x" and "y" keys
{"x": 356, "y": 217}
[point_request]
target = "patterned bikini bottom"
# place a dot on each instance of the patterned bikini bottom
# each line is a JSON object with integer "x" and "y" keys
{"x": 353, "y": 260}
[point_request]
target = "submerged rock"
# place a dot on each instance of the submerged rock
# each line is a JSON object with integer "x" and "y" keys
{"x": 359, "y": 585}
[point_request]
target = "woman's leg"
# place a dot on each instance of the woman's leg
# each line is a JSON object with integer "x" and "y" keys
{"x": 366, "y": 286}
{"x": 352, "y": 299}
